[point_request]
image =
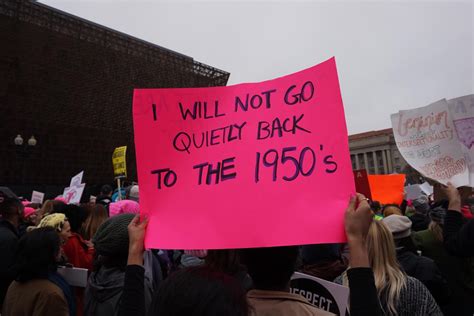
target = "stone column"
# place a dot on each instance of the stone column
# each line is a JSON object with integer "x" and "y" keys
{"x": 389, "y": 160}
{"x": 374, "y": 157}
{"x": 366, "y": 162}
{"x": 385, "y": 169}
{"x": 357, "y": 161}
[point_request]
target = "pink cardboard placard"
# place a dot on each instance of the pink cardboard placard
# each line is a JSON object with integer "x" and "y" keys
{"x": 251, "y": 165}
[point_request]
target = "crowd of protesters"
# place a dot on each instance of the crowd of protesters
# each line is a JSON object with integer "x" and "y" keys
{"x": 416, "y": 258}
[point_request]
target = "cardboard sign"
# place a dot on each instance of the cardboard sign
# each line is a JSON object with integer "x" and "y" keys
{"x": 462, "y": 111}
{"x": 426, "y": 138}
{"x": 250, "y": 165}
{"x": 362, "y": 183}
{"x": 323, "y": 294}
{"x": 119, "y": 162}
{"x": 413, "y": 191}
{"x": 37, "y": 197}
{"x": 388, "y": 188}
{"x": 77, "y": 179}
{"x": 74, "y": 276}
{"x": 73, "y": 195}
{"x": 427, "y": 188}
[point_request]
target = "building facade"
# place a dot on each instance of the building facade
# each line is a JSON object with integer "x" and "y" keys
{"x": 69, "y": 83}
{"x": 377, "y": 152}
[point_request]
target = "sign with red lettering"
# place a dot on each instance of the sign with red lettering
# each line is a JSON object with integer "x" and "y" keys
{"x": 250, "y": 165}
{"x": 426, "y": 138}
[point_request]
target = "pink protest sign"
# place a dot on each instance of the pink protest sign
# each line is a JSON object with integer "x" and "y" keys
{"x": 250, "y": 165}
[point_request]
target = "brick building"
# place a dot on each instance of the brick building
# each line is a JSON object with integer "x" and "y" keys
{"x": 69, "y": 82}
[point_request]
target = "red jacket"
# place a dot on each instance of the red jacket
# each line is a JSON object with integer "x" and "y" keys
{"x": 78, "y": 253}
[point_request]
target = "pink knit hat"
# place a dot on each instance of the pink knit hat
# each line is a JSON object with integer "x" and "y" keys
{"x": 25, "y": 202}
{"x": 123, "y": 207}
{"x": 28, "y": 211}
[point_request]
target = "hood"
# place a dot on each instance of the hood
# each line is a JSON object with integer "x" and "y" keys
{"x": 106, "y": 283}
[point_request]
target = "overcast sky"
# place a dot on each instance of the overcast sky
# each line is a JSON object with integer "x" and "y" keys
{"x": 390, "y": 55}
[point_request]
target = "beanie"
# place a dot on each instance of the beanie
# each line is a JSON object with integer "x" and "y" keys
{"x": 421, "y": 204}
{"x": 437, "y": 215}
{"x": 111, "y": 239}
{"x": 124, "y": 207}
{"x": 55, "y": 220}
{"x": 28, "y": 211}
{"x": 399, "y": 225}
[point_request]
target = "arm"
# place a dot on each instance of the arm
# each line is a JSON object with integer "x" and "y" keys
{"x": 133, "y": 297}
{"x": 458, "y": 238}
{"x": 363, "y": 294}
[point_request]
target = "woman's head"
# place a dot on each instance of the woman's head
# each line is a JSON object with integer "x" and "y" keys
{"x": 75, "y": 215}
{"x": 389, "y": 278}
{"x": 59, "y": 223}
{"x": 391, "y": 209}
{"x": 37, "y": 253}
{"x": 97, "y": 215}
{"x": 200, "y": 291}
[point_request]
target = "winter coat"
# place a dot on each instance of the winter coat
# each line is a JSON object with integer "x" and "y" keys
{"x": 8, "y": 246}
{"x": 36, "y": 297}
{"x": 425, "y": 270}
{"x": 104, "y": 292}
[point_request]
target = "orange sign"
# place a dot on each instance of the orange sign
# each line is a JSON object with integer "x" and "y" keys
{"x": 387, "y": 189}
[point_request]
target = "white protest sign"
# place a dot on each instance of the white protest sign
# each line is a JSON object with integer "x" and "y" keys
{"x": 74, "y": 276}
{"x": 323, "y": 294}
{"x": 77, "y": 179}
{"x": 413, "y": 191}
{"x": 462, "y": 112}
{"x": 73, "y": 194}
{"x": 37, "y": 197}
{"x": 427, "y": 188}
{"x": 427, "y": 140}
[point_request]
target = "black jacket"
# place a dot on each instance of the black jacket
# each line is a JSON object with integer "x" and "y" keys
{"x": 419, "y": 222}
{"x": 425, "y": 270}
{"x": 8, "y": 246}
{"x": 458, "y": 236}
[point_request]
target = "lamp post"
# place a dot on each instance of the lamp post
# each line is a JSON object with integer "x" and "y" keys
{"x": 23, "y": 151}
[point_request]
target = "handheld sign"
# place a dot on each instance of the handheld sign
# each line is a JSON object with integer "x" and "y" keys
{"x": 73, "y": 195}
{"x": 427, "y": 139}
{"x": 362, "y": 183}
{"x": 323, "y": 294}
{"x": 119, "y": 162}
{"x": 37, "y": 197}
{"x": 77, "y": 179}
{"x": 250, "y": 165}
{"x": 387, "y": 188}
{"x": 462, "y": 111}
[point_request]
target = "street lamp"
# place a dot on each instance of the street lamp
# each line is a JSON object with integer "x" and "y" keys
{"x": 19, "y": 141}
{"x": 22, "y": 151}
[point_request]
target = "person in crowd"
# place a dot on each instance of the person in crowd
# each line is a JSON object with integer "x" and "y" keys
{"x": 60, "y": 223}
{"x": 38, "y": 288}
{"x": 400, "y": 294}
{"x": 420, "y": 267}
{"x": 458, "y": 235}
{"x": 272, "y": 268}
{"x": 123, "y": 207}
{"x": 198, "y": 291}
{"x": 228, "y": 262}
{"x": 105, "y": 196}
{"x": 11, "y": 211}
{"x": 391, "y": 209}
{"x": 104, "y": 291}
{"x": 324, "y": 261}
{"x": 459, "y": 272}
{"x": 97, "y": 215}
{"x": 133, "y": 193}
{"x": 28, "y": 220}
{"x": 79, "y": 252}
{"x": 376, "y": 208}
{"x": 420, "y": 219}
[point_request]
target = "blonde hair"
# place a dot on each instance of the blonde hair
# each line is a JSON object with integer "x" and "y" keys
{"x": 391, "y": 210}
{"x": 436, "y": 230}
{"x": 389, "y": 278}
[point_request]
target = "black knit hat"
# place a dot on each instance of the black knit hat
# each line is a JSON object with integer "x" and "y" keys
{"x": 111, "y": 239}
